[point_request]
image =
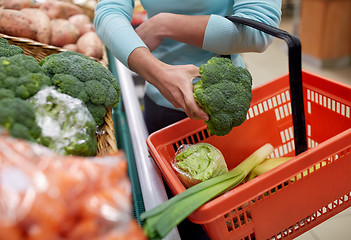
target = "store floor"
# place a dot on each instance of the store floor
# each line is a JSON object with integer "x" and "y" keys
{"x": 272, "y": 64}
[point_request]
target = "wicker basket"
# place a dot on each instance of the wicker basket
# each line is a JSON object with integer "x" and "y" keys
{"x": 40, "y": 50}
{"x": 106, "y": 140}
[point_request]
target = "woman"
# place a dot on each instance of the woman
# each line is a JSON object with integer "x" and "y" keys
{"x": 179, "y": 36}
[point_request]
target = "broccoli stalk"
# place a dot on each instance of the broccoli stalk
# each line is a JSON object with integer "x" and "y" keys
{"x": 224, "y": 92}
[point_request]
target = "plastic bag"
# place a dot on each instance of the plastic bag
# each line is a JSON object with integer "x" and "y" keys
{"x": 48, "y": 196}
{"x": 198, "y": 162}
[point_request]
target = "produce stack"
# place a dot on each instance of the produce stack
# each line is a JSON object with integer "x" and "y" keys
{"x": 58, "y": 178}
{"x": 53, "y": 23}
{"x": 61, "y": 102}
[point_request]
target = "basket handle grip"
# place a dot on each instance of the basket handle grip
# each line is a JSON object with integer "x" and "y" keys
{"x": 295, "y": 76}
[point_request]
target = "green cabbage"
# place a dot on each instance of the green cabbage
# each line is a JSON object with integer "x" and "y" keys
{"x": 199, "y": 162}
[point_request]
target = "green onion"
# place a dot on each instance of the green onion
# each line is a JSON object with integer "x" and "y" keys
{"x": 160, "y": 220}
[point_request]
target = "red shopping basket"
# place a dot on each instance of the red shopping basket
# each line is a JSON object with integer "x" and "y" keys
{"x": 294, "y": 197}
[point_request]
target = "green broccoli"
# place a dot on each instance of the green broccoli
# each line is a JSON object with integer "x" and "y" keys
{"x": 224, "y": 92}
{"x": 8, "y": 50}
{"x": 67, "y": 126}
{"x": 22, "y": 75}
{"x": 6, "y": 93}
{"x": 18, "y": 117}
{"x": 96, "y": 84}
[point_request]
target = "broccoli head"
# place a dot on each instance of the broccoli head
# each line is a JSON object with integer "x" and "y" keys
{"x": 5, "y": 93}
{"x": 22, "y": 75}
{"x": 67, "y": 126}
{"x": 96, "y": 84}
{"x": 8, "y": 50}
{"x": 18, "y": 117}
{"x": 224, "y": 92}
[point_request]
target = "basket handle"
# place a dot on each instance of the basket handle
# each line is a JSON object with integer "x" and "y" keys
{"x": 295, "y": 76}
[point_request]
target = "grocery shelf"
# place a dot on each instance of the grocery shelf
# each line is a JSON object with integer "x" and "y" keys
{"x": 149, "y": 178}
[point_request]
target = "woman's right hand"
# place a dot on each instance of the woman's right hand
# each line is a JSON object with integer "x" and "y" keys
{"x": 173, "y": 81}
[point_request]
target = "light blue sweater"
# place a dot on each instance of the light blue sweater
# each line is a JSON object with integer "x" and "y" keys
{"x": 113, "y": 17}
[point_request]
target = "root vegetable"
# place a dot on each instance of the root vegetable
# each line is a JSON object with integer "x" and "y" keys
{"x": 42, "y": 23}
{"x": 15, "y": 23}
{"x": 58, "y": 9}
{"x": 17, "y": 4}
{"x": 90, "y": 45}
{"x": 71, "y": 47}
{"x": 63, "y": 32}
{"x": 82, "y": 22}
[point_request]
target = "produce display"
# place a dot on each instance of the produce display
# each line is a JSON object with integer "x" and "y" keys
{"x": 198, "y": 162}
{"x": 49, "y": 196}
{"x": 160, "y": 220}
{"x": 58, "y": 23}
{"x": 224, "y": 92}
{"x": 83, "y": 87}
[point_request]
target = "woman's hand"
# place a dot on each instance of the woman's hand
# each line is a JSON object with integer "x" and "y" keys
{"x": 173, "y": 82}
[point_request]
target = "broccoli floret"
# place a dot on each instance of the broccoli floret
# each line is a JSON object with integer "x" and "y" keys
{"x": 97, "y": 111}
{"x": 8, "y": 50}
{"x": 100, "y": 86}
{"x": 67, "y": 126}
{"x": 5, "y": 93}
{"x": 224, "y": 92}
{"x": 18, "y": 117}
{"x": 70, "y": 85}
{"x": 22, "y": 75}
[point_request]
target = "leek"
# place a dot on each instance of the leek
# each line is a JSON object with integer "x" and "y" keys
{"x": 160, "y": 220}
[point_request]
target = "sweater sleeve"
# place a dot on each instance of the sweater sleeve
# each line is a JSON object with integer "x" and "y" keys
{"x": 224, "y": 37}
{"x": 113, "y": 25}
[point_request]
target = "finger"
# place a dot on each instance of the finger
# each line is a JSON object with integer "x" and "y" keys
{"x": 193, "y": 109}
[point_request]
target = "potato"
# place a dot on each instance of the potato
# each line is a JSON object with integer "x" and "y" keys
{"x": 42, "y": 23}
{"x": 63, "y": 32}
{"x": 90, "y": 45}
{"x": 15, "y": 23}
{"x": 17, "y": 4}
{"x": 88, "y": 27}
{"x": 80, "y": 21}
{"x": 58, "y": 9}
{"x": 71, "y": 47}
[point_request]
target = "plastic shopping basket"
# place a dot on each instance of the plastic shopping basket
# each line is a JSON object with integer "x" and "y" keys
{"x": 295, "y": 196}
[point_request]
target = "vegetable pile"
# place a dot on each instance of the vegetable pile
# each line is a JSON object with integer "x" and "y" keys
{"x": 58, "y": 23}
{"x": 81, "y": 91}
{"x": 224, "y": 92}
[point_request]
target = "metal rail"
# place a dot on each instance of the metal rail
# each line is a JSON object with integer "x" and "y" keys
{"x": 151, "y": 183}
